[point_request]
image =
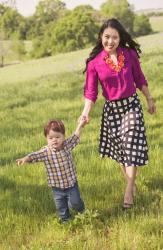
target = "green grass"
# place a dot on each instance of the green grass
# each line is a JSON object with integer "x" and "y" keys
{"x": 37, "y": 90}
{"x": 157, "y": 23}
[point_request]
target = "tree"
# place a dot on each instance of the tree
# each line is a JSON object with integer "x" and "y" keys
{"x": 11, "y": 23}
{"x": 96, "y": 15}
{"x": 142, "y": 25}
{"x": 34, "y": 27}
{"x": 76, "y": 31}
{"x": 121, "y": 10}
{"x": 18, "y": 47}
{"x": 5, "y": 49}
{"x": 2, "y": 50}
{"x": 41, "y": 48}
{"x": 3, "y": 9}
{"x": 47, "y": 11}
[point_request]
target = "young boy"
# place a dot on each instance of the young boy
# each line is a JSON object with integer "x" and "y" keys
{"x": 61, "y": 173}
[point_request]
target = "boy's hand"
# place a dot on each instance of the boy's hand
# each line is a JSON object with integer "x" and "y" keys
{"x": 81, "y": 123}
{"x": 21, "y": 161}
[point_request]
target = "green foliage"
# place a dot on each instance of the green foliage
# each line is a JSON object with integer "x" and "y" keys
{"x": 18, "y": 47}
{"x": 121, "y": 10}
{"x": 55, "y": 29}
{"x": 42, "y": 43}
{"x": 35, "y": 28}
{"x": 75, "y": 31}
{"x": 49, "y": 10}
{"x": 95, "y": 14}
{"x": 5, "y": 49}
{"x": 13, "y": 49}
{"x": 142, "y": 25}
{"x": 41, "y": 47}
{"x": 12, "y": 23}
{"x": 155, "y": 14}
{"x": 18, "y": 27}
{"x": 89, "y": 217}
{"x": 3, "y": 9}
{"x": 46, "y": 12}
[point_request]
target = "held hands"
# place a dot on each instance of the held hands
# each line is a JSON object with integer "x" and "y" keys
{"x": 151, "y": 106}
{"x": 83, "y": 120}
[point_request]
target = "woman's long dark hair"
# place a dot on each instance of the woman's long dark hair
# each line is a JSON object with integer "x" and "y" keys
{"x": 126, "y": 40}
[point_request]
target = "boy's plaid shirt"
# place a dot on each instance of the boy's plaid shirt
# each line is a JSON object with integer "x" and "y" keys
{"x": 60, "y": 167}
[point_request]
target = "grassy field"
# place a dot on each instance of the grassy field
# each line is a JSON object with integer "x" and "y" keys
{"x": 157, "y": 23}
{"x": 37, "y": 90}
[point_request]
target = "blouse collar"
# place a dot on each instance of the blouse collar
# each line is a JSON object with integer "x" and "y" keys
{"x": 105, "y": 53}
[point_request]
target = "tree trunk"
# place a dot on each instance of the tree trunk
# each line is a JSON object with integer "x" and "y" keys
{"x": 2, "y": 61}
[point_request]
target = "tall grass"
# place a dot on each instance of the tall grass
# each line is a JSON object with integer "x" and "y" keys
{"x": 35, "y": 91}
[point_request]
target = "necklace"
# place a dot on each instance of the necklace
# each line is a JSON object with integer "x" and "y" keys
{"x": 120, "y": 64}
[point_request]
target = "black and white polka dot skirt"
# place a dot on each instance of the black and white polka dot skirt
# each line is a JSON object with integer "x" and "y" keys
{"x": 122, "y": 134}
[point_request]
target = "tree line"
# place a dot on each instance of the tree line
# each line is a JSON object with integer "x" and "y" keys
{"x": 54, "y": 29}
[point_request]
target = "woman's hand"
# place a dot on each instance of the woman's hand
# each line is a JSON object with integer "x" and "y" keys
{"x": 150, "y": 101}
{"x": 151, "y": 106}
{"x": 84, "y": 118}
{"x": 82, "y": 121}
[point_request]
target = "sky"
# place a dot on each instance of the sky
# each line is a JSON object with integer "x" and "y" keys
{"x": 27, "y": 7}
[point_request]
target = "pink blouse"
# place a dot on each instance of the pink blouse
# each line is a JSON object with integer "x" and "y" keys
{"x": 115, "y": 85}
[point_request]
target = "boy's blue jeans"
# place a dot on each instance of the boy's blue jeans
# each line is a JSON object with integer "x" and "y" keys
{"x": 67, "y": 198}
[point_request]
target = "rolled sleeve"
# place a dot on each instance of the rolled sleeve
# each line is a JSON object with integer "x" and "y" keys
{"x": 38, "y": 156}
{"x": 91, "y": 83}
{"x": 138, "y": 75}
{"x": 71, "y": 142}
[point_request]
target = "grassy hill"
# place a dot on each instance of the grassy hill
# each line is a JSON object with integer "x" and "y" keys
{"x": 157, "y": 23}
{"x": 37, "y": 90}
{"x": 148, "y": 11}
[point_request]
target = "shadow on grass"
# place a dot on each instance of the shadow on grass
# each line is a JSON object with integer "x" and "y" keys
{"x": 36, "y": 201}
{"x": 144, "y": 203}
{"x": 10, "y": 64}
{"x": 33, "y": 200}
{"x": 155, "y": 126}
{"x": 155, "y": 183}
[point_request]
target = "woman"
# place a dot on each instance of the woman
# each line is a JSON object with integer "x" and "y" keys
{"x": 114, "y": 63}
